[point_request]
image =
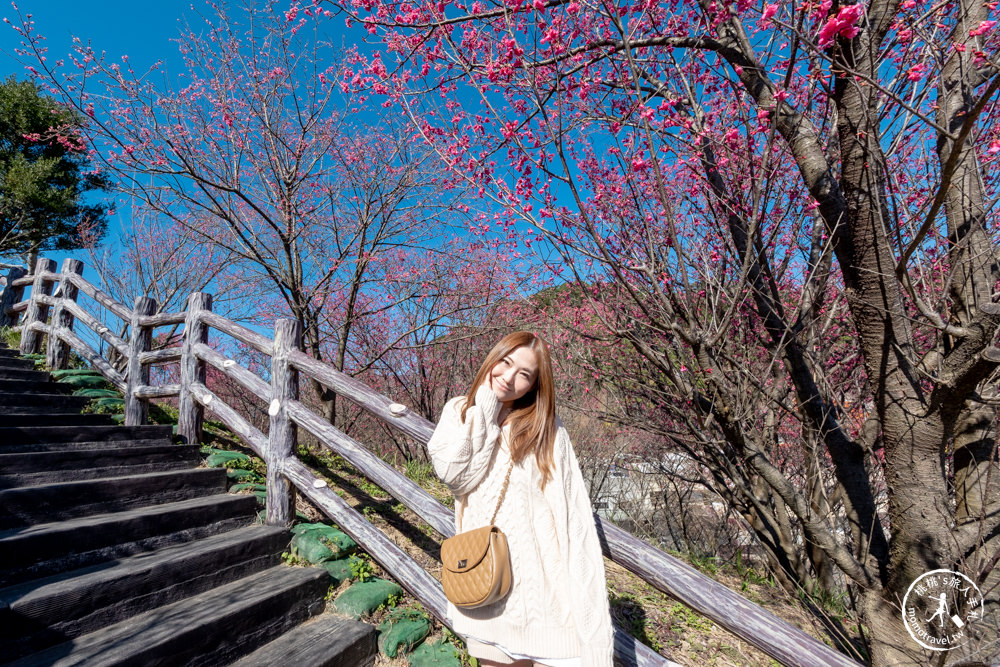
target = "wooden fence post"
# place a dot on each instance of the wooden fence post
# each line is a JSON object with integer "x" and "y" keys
{"x": 282, "y": 434}
{"x": 192, "y": 369}
{"x": 11, "y": 296}
{"x": 31, "y": 341}
{"x": 140, "y": 340}
{"x": 57, "y": 351}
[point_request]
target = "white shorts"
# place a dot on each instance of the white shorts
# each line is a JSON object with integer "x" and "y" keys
{"x": 513, "y": 655}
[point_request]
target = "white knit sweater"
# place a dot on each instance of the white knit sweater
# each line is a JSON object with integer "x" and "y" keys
{"x": 558, "y": 602}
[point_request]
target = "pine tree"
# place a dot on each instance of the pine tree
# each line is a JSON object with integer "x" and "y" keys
{"x": 45, "y": 176}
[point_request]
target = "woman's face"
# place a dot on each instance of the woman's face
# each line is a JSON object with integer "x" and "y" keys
{"x": 514, "y": 375}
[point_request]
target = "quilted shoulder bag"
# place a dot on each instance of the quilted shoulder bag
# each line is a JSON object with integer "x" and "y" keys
{"x": 476, "y": 564}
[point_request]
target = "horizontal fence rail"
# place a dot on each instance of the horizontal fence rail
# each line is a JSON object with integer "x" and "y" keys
{"x": 54, "y": 315}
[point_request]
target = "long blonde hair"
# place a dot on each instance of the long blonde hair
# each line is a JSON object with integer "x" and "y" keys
{"x": 533, "y": 416}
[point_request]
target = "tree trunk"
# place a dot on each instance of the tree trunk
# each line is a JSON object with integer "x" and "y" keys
{"x": 891, "y": 645}
{"x": 974, "y": 267}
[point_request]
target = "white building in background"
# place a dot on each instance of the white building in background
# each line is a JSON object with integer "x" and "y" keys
{"x": 651, "y": 498}
{"x": 633, "y": 486}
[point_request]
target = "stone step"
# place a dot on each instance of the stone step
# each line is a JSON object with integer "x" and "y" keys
{"x": 324, "y": 641}
{"x": 27, "y": 468}
{"x": 47, "y": 548}
{"x": 27, "y": 505}
{"x": 17, "y": 363}
{"x": 213, "y": 628}
{"x": 41, "y": 404}
{"x": 34, "y": 387}
{"x": 9, "y": 352}
{"x": 56, "y": 420}
{"x": 40, "y": 613}
{"x": 26, "y": 435}
{"x": 23, "y": 375}
{"x": 80, "y": 446}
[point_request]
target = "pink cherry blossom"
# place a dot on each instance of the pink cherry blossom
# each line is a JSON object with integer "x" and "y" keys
{"x": 767, "y": 15}
{"x": 982, "y": 28}
{"x": 917, "y": 72}
{"x": 843, "y": 25}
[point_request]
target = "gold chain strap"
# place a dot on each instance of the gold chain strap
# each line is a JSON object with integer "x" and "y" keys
{"x": 503, "y": 492}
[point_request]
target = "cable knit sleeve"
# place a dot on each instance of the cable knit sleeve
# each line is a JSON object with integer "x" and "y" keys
{"x": 586, "y": 586}
{"x": 461, "y": 452}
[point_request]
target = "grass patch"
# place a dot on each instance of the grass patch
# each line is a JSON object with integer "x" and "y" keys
{"x": 10, "y": 337}
{"x": 421, "y": 472}
{"x": 629, "y": 613}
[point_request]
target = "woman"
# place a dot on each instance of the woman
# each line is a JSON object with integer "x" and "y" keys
{"x": 556, "y": 613}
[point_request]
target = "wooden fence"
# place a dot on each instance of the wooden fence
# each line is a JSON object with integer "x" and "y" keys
{"x": 54, "y": 313}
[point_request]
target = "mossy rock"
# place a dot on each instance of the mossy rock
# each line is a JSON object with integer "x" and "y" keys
{"x": 401, "y": 631}
{"x": 438, "y": 654}
{"x": 365, "y": 597}
{"x": 89, "y": 392}
{"x": 220, "y": 457}
{"x": 306, "y": 527}
{"x": 65, "y": 372}
{"x": 84, "y": 378}
{"x": 318, "y": 542}
{"x": 310, "y": 547}
{"x": 248, "y": 486}
{"x": 340, "y": 569}
{"x": 106, "y": 404}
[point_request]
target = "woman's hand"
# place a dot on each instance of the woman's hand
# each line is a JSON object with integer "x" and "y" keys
{"x": 488, "y": 384}
{"x": 504, "y": 411}
{"x": 488, "y": 401}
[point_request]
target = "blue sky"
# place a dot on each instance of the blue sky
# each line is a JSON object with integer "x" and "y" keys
{"x": 145, "y": 31}
{"x": 142, "y": 30}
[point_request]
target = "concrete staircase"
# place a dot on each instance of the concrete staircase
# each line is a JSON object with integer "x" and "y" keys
{"x": 117, "y": 549}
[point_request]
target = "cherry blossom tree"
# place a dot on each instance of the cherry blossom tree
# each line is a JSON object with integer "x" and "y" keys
{"x": 258, "y": 151}
{"x": 783, "y": 218}
{"x": 162, "y": 260}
